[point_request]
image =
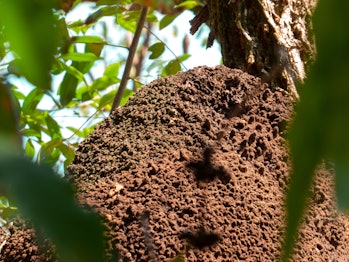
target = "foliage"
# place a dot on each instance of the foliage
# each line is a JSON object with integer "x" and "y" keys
{"x": 320, "y": 128}
{"x": 58, "y": 60}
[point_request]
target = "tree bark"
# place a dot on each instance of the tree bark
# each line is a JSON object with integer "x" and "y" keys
{"x": 271, "y": 39}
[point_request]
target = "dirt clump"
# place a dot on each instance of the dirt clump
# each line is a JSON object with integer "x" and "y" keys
{"x": 195, "y": 166}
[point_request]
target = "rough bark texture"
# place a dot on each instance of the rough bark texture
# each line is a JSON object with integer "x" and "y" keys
{"x": 267, "y": 38}
{"x": 196, "y": 166}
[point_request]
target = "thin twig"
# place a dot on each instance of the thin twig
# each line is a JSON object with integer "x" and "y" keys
{"x": 129, "y": 61}
{"x": 169, "y": 49}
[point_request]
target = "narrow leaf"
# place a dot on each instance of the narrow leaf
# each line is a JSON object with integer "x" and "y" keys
{"x": 31, "y": 101}
{"x": 67, "y": 89}
{"x": 167, "y": 20}
{"x": 29, "y": 148}
{"x": 54, "y": 129}
{"x": 80, "y": 57}
{"x": 88, "y": 39}
{"x": 190, "y": 4}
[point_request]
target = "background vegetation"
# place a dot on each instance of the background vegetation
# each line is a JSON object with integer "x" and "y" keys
{"x": 60, "y": 59}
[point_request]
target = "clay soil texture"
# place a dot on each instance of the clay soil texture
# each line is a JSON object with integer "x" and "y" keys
{"x": 195, "y": 167}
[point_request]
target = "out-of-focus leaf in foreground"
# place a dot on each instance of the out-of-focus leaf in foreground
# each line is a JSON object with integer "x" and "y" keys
{"x": 321, "y": 125}
{"x": 48, "y": 202}
{"x": 30, "y": 29}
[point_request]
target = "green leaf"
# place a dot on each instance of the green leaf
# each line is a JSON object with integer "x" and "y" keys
{"x": 69, "y": 154}
{"x": 112, "y": 70}
{"x": 126, "y": 96}
{"x": 128, "y": 20}
{"x": 104, "y": 82}
{"x": 102, "y": 12}
{"x": 8, "y": 112}
{"x": 320, "y": 128}
{"x": 67, "y": 88}
{"x": 31, "y": 132}
{"x": 2, "y": 47}
{"x": 31, "y": 101}
{"x": 80, "y": 57}
{"x": 189, "y": 4}
{"x": 107, "y": 99}
{"x": 88, "y": 39}
{"x": 72, "y": 70}
{"x": 47, "y": 154}
{"x": 178, "y": 258}
{"x": 50, "y": 204}
{"x": 167, "y": 20}
{"x": 171, "y": 68}
{"x": 30, "y": 29}
{"x": 342, "y": 185}
{"x": 76, "y": 131}
{"x": 157, "y": 50}
{"x": 94, "y": 48}
{"x": 29, "y": 148}
{"x": 54, "y": 129}
{"x": 7, "y": 210}
{"x": 183, "y": 57}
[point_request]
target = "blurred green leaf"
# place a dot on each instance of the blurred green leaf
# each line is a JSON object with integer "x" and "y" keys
{"x": 31, "y": 101}
{"x": 54, "y": 129}
{"x": 126, "y": 96}
{"x": 31, "y": 132}
{"x": 178, "y": 258}
{"x": 29, "y": 148}
{"x": 88, "y": 39}
{"x": 103, "y": 82}
{"x": 7, "y": 210}
{"x": 46, "y": 153}
{"x": 80, "y": 57}
{"x": 342, "y": 185}
{"x": 171, "y": 68}
{"x": 183, "y": 57}
{"x": 107, "y": 99}
{"x": 157, "y": 50}
{"x": 321, "y": 125}
{"x": 67, "y": 88}
{"x": 68, "y": 153}
{"x": 102, "y": 12}
{"x": 190, "y": 4}
{"x": 167, "y": 20}
{"x": 128, "y": 20}
{"x": 49, "y": 203}
{"x": 8, "y": 113}
{"x": 2, "y": 46}
{"x": 72, "y": 70}
{"x": 30, "y": 29}
{"x": 112, "y": 70}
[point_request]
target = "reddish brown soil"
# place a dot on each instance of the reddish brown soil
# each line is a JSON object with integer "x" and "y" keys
{"x": 195, "y": 165}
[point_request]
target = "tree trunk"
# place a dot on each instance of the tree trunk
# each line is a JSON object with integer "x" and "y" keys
{"x": 271, "y": 39}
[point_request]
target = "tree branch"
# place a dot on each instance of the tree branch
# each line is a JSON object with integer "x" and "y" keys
{"x": 129, "y": 61}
